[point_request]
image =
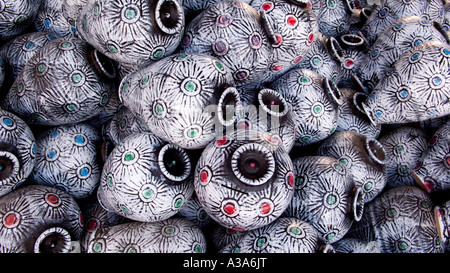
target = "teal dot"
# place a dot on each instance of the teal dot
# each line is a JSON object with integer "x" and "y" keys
{"x": 80, "y": 139}
{"x": 8, "y": 122}
{"x": 84, "y": 172}
{"x": 130, "y": 13}
{"x": 51, "y": 153}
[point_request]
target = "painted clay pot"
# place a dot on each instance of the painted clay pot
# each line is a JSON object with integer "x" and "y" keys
{"x": 404, "y": 147}
{"x": 194, "y": 212}
{"x": 442, "y": 216}
{"x": 71, "y": 9}
{"x": 363, "y": 156}
{"x": 352, "y": 116}
{"x": 123, "y": 124}
{"x": 139, "y": 33}
{"x": 232, "y": 32}
{"x": 269, "y": 113}
{"x": 68, "y": 159}
{"x": 325, "y": 196}
{"x": 353, "y": 53}
{"x": 335, "y": 18}
{"x": 51, "y": 19}
{"x": 222, "y": 236}
{"x": 174, "y": 235}
{"x": 96, "y": 217}
{"x": 16, "y": 16}
{"x": 145, "y": 179}
{"x": 416, "y": 89}
{"x": 396, "y": 39}
{"x": 285, "y": 235}
{"x": 400, "y": 220}
{"x": 18, "y": 51}
{"x": 17, "y": 153}
{"x": 291, "y": 28}
{"x": 432, "y": 171}
{"x": 175, "y": 96}
{"x": 194, "y": 8}
{"x": 323, "y": 58}
{"x": 315, "y": 102}
{"x": 67, "y": 81}
{"x": 39, "y": 219}
{"x": 353, "y": 245}
{"x": 242, "y": 183}
{"x": 391, "y": 10}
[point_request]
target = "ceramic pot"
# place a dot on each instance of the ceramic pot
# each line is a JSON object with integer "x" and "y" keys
{"x": 68, "y": 158}
{"x": 315, "y": 102}
{"x": 432, "y": 171}
{"x": 141, "y": 32}
{"x": 123, "y": 124}
{"x": 396, "y": 39}
{"x": 324, "y": 58}
{"x": 174, "y": 235}
{"x": 285, "y": 235}
{"x": 175, "y": 97}
{"x": 16, "y": 16}
{"x": 67, "y": 81}
{"x": 145, "y": 179}
{"x": 352, "y": 116}
{"x": 18, "y": 51}
{"x": 442, "y": 216}
{"x": 96, "y": 217}
{"x": 404, "y": 147}
{"x": 222, "y": 236}
{"x": 391, "y": 10}
{"x": 232, "y": 32}
{"x": 335, "y": 18}
{"x": 39, "y": 219}
{"x": 244, "y": 184}
{"x": 325, "y": 196}
{"x": 17, "y": 152}
{"x": 71, "y": 9}
{"x": 415, "y": 90}
{"x": 269, "y": 113}
{"x": 400, "y": 220}
{"x": 353, "y": 245}
{"x": 194, "y": 212}
{"x": 51, "y": 19}
{"x": 364, "y": 157}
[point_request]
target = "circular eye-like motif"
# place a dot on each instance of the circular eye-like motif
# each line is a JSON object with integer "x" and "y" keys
{"x": 8, "y": 123}
{"x": 191, "y": 86}
{"x": 130, "y": 14}
{"x": 130, "y": 157}
{"x": 11, "y": 219}
{"x": 230, "y": 207}
{"x": 53, "y": 199}
{"x": 253, "y": 164}
{"x": 174, "y": 163}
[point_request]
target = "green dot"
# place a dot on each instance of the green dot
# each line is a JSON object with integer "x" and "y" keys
{"x": 158, "y": 54}
{"x": 169, "y": 230}
{"x": 331, "y": 199}
{"x": 330, "y": 236}
{"x": 317, "y": 109}
{"x": 295, "y": 230}
{"x": 159, "y": 109}
{"x": 399, "y": 148}
{"x": 203, "y": 215}
{"x": 190, "y": 86}
{"x": 130, "y": 13}
{"x": 113, "y": 49}
{"x": 132, "y": 250}
{"x": 305, "y": 139}
{"x": 368, "y": 186}
{"x": 76, "y": 77}
{"x": 236, "y": 250}
{"x": 339, "y": 168}
{"x": 20, "y": 19}
{"x": 66, "y": 44}
{"x": 144, "y": 80}
{"x": 402, "y": 245}
{"x": 178, "y": 203}
{"x": 41, "y": 68}
{"x": 98, "y": 247}
{"x": 404, "y": 169}
{"x": 299, "y": 181}
{"x": 438, "y": 241}
{"x": 392, "y": 212}
{"x": 198, "y": 249}
{"x": 105, "y": 99}
{"x": 425, "y": 204}
{"x": 96, "y": 9}
{"x": 304, "y": 80}
{"x": 147, "y": 194}
{"x": 129, "y": 156}
{"x": 192, "y": 133}
{"x": 110, "y": 181}
{"x": 71, "y": 107}
{"x": 261, "y": 241}
{"x": 19, "y": 88}
{"x": 219, "y": 65}
{"x": 317, "y": 61}
{"x": 124, "y": 208}
{"x": 344, "y": 161}
{"x": 181, "y": 57}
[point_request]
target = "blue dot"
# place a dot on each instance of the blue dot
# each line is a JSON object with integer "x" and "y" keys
{"x": 417, "y": 42}
{"x": 374, "y": 53}
{"x": 47, "y": 22}
{"x": 404, "y": 93}
{"x": 447, "y": 52}
{"x": 33, "y": 148}
{"x": 84, "y": 172}
{"x": 437, "y": 80}
{"x": 399, "y": 25}
{"x": 379, "y": 113}
{"x": 54, "y": 134}
{"x": 80, "y": 139}
{"x": 51, "y": 153}
{"x": 415, "y": 56}
{"x": 29, "y": 45}
{"x": 8, "y": 121}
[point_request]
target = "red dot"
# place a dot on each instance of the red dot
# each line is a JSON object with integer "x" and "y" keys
{"x": 10, "y": 220}
{"x": 298, "y": 59}
{"x": 92, "y": 225}
{"x": 279, "y": 39}
{"x": 204, "y": 176}
{"x": 267, "y": 6}
{"x": 229, "y": 209}
{"x": 349, "y": 63}
{"x": 243, "y": 125}
{"x": 277, "y": 67}
{"x": 292, "y": 21}
{"x": 428, "y": 185}
{"x": 239, "y": 228}
{"x": 52, "y": 199}
{"x": 418, "y": 165}
{"x": 434, "y": 139}
{"x": 252, "y": 164}
{"x": 230, "y": 231}
{"x": 221, "y": 141}
{"x": 448, "y": 161}
{"x": 291, "y": 179}
{"x": 265, "y": 208}
{"x": 311, "y": 37}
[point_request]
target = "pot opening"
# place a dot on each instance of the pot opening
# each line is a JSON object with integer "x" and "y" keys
{"x": 9, "y": 165}
{"x": 376, "y": 151}
{"x": 358, "y": 204}
{"x": 53, "y": 240}
{"x": 335, "y": 49}
{"x": 253, "y": 164}
{"x": 228, "y": 105}
{"x": 352, "y": 40}
{"x": 169, "y": 16}
{"x": 174, "y": 163}
{"x": 104, "y": 64}
{"x": 333, "y": 91}
{"x": 273, "y": 102}
{"x": 358, "y": 99}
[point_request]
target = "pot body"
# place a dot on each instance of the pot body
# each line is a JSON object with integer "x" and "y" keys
{"x": 174, "y": 235}
{"x": 17, "y": 16}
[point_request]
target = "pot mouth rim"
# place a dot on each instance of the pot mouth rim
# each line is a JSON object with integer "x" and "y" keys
{"x": 180, "y": 21}
{"x": 97, "y": 56}
{"x": 333, "y": 91}
{"x": 282, "y": 101}
{"x": 63, "y": 234}
{"x": 12, "y": 158}
{"x": 358, "y": 204}
{"x": 235, "y": 93}
{"x": 375, "y": 151}
{"x": 185, "y": 158}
